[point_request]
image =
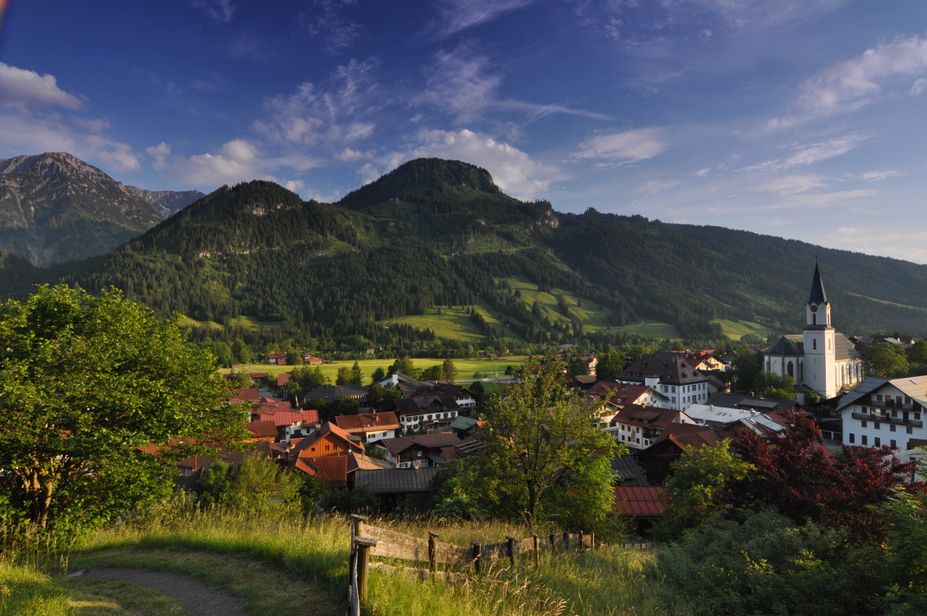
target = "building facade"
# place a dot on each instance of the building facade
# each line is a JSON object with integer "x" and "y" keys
{"x": 885, "y": 413}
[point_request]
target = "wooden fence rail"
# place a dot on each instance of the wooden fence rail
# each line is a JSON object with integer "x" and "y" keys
{"x": 369, "y": 541}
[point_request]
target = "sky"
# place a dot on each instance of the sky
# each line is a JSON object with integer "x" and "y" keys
{"x": 805, "y": 119}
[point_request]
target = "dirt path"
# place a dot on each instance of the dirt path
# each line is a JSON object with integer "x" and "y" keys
{"x": 197, "y": 598}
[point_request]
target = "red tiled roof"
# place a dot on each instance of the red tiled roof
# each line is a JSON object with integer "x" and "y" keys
{"x": 367, "y": 422}
{"x": 289, "y": 418}
{"x": 263, "y": 428}
{"x": 682, "y": 435}
{"x": 327, "y": 428}
{"x": 641, "y": 501}
{"x": 331, "y": 469}
{"x": 249, "y": 394}
{"x": 283, "y": 378}
{"x": 645, "y": 416}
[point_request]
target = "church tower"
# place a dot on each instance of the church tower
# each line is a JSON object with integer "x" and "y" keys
{"x": 820, "y": 354}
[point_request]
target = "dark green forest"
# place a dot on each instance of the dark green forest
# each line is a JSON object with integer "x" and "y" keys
{"x": 266, "y": 266}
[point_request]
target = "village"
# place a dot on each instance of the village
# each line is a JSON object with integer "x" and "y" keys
{"x": 661, "y": 405}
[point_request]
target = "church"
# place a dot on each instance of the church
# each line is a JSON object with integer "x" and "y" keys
{"x": 819, "y": 359}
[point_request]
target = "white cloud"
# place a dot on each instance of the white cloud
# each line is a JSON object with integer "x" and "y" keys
{"x": 21, "y": 87}
{"x": 30, "y": 133}
{"x": 877, "y": 175}
{"x": 220, "y": 11}
{"x": 336, "y": 114}
{"x": 803, "y": 154}
{"x": 703, "y": 172}
{"x": 919, "y": 86}
{"x": 653, "y": 187}
{"x": 237, "y": 160}
{"x": 459, "y": 82}
{"x": 623, "y": 148}
{"x": 792, "y": 184}
{"x": 857, "y": 82}
{"x": 294, "y": 185}
{"x": 807, "y": 200}
{"x": 457, "y": 15}
{"x": 349, "y": 155}
{"x": 159, "y": 155}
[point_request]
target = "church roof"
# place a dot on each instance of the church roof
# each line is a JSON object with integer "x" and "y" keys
{"x": 818, "y": 295}
{"x": 793, "y": 345}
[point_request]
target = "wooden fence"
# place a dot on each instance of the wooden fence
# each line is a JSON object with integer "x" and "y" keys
{"x": 445, "y": 561}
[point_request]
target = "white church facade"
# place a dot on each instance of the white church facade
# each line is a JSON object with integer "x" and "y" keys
{"x": 820, "y": 358}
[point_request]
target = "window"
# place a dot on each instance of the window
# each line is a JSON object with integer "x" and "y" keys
{"x": 894, "y": 444}
{"x": 864, "y": 439}
{"x": 852, "y": 438}
{"x": 891, "y": 427}
{"x": 876, "y": 425}
{"x": 909, "y": 430}
{"x": 878, "y": 442}
{"x": 814, "y": 344}
{"x": 865, "y": 423}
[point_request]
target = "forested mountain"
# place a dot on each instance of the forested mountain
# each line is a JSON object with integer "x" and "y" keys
{"x": 54, "y": 208}
{"x": 434, "y": 253}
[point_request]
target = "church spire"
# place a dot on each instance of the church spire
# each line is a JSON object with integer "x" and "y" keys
{"x": 818, "y": 296}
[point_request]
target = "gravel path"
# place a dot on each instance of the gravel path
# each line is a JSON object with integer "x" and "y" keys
{"x": 196, "y": 597}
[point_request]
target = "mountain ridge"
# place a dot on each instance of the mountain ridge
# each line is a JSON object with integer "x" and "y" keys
{"x": 383, "y": 266}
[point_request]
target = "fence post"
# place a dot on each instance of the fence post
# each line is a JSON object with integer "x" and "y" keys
{"x": 553, "y": 541}
{"x": 362, "y": 560}
{"x": 476, "y": 553}
{"x": 566, "y": 542}
{"x": 535, "y": 549}
{"x": 432, "y": 553}
{"x": 582, "y": 541}
{"x": 592, "y": 541}
{"x": 511, "y": 550}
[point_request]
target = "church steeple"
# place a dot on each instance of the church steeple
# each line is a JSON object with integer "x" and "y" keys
{"x": 818, "y": 313}
{"x": 818, "y": 296}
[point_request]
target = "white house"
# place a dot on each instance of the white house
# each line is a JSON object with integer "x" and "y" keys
{"x": 885, "y": 413}
{"x": 671, "y": 375}
{"x": 820, "y": 358}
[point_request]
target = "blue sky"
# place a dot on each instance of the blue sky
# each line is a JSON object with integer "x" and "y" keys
{"x": 799, "y": 118}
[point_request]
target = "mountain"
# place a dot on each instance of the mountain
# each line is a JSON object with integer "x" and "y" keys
{"x": 433, "y": 257}
{"x": 166, "y": 202}
{"x": 54, "y": 208}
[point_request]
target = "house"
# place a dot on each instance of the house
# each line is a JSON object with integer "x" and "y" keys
{"x": 729, "y": 421}
{"x": 642, "y": 504}
{"x": 885, "y": 413}
{"x": 419, "y": 451}
{"x": 312, "y": 360}
{"x": 405, "y": 384}
{"x": 278, "y": 359}
{"x": 622, "y": 394}
{"x": 627, "y": 471}
{"x": 283, "y": 379}
{"x": 262, "y": 430}
{"x": 408, "y": 487}
{"x": 589, "y": 362}
{"x": 338, "y": 471}
{"x": 820, "y": 358}
{"x": 464, "y": 426}
{"x": 740, "y": 401}
{"x": 291, "y": 423}
{"x": 658, "y": 459}
{"x": 329, "y": 440}
{"x": 371, "y": 427}
{"x": 640, "y": 426}
{"x": 671, "y": 375}
{"x": 248, "y": 395}
{"x": 582, "y": 381}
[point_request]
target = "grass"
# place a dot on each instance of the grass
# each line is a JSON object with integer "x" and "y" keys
{"x": 649, "y": 329}
{"x": 281, "y": 566}
{"x": 466, "y": 368}
{"x": 560, "y": 305}
{"x": 735, "y": 330}
{"x": 448, "y": 322}
{"x": 24, "y": 590}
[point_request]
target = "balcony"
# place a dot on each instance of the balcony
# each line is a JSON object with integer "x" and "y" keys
{"x": 898, "y": 421}
{"x": 894, "y": 405}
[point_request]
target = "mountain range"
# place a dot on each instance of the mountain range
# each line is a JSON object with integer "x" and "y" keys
{"x": 56, "y": 208}
{"x": 434, "y": 255}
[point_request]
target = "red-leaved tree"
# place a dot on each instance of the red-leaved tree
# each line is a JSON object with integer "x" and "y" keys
{"x": 804, "y": 480}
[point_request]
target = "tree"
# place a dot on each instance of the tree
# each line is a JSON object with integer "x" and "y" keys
{"x": 242, "y": 351}
{"x": 98, "y": 399}
{"x": 357, "y": 377}
{"x": 448, "y": 370}
{"x": 610, "y": 366}
{"x": 344, "y": 376}
{"x": 403, "y": 365}
{"x": 697, "y": 485}
{"x": 886, "y": 360}
{"x": 308, "y": 378}
{"x": 748, "y": 368}
{"x": 378, "y": 375}
{"x": 801, "y": 478}
{"x": 541, "y": 447}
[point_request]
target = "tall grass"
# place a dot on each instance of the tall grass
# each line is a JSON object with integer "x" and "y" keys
{"x": 607, "y": 581}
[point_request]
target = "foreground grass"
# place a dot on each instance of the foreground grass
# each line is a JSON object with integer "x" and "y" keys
{"x": 24, "y": 590}
{"x": 608, "y": 581}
